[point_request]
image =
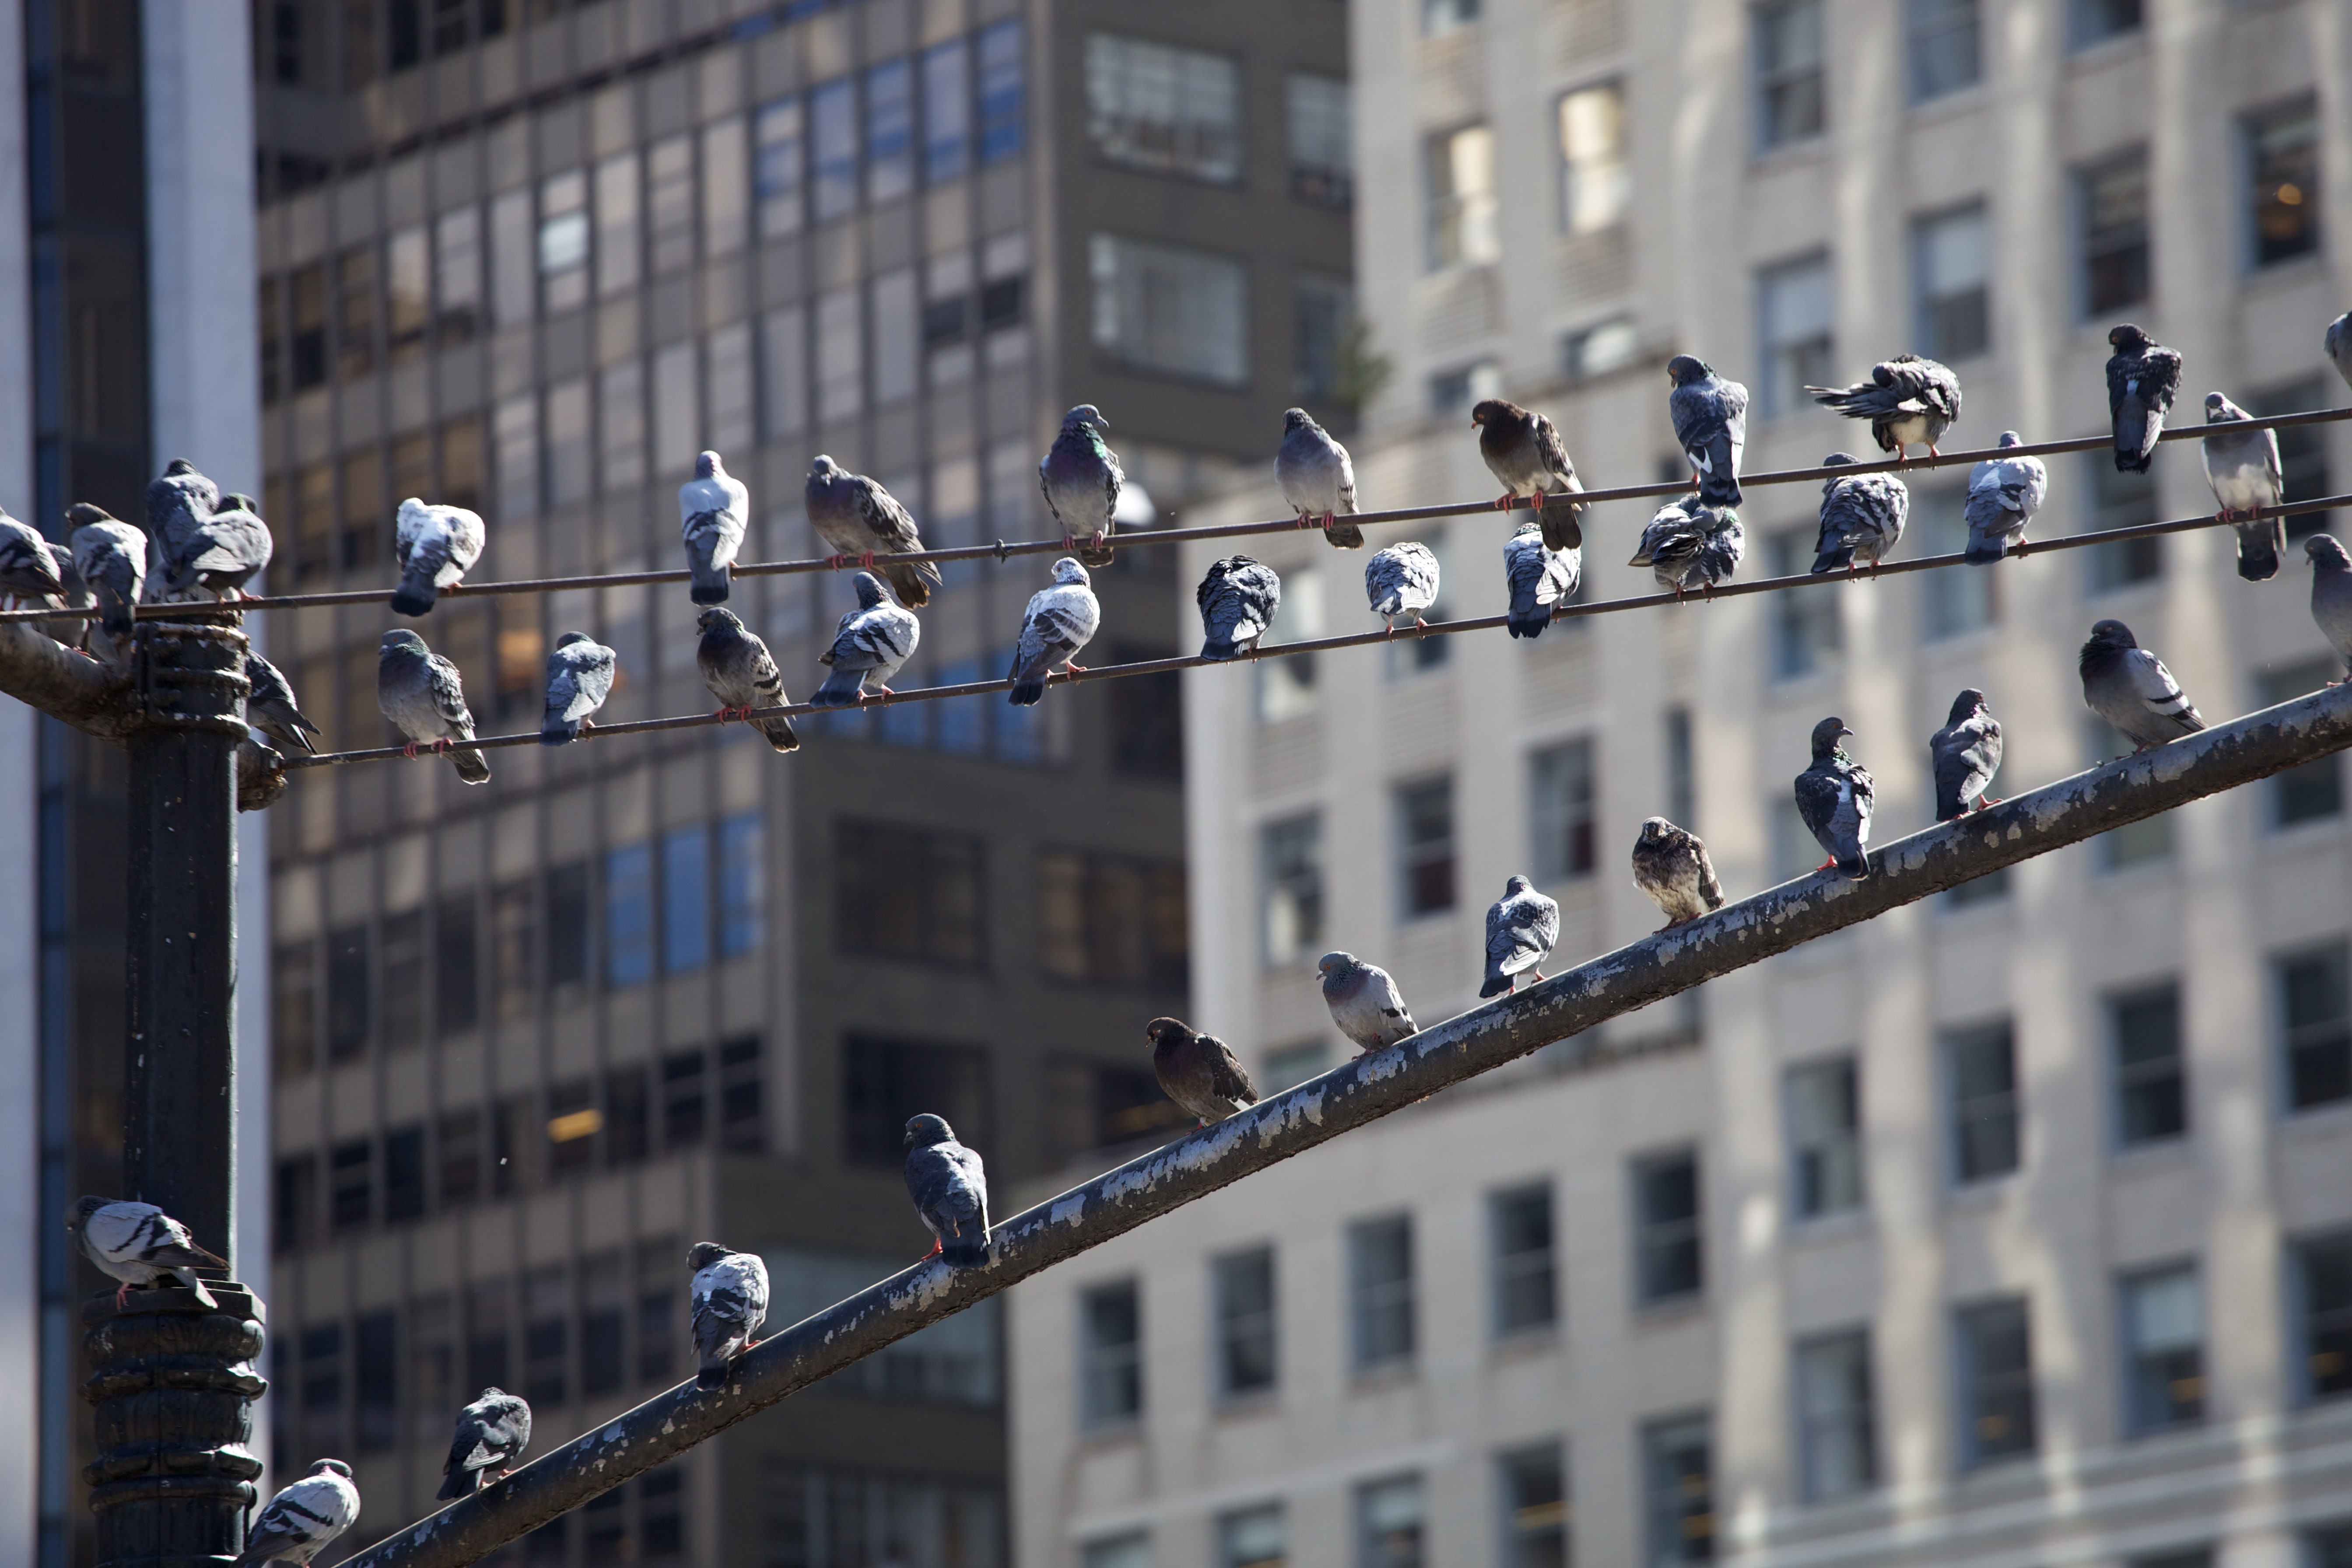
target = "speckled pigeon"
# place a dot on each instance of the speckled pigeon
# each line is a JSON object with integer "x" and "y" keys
{"x": 270, "y": 707}
{"x": 2130, "y": 689}
{"x": 1237, "y": 600}
{"x": 1691, "y": 544}
{"x": 1538, "y": 578}
{"x": 1861, "y": 517}
{"x": 713, "y": 511}
{"x": 872, "y": 643}
{"x": 739, "y": 672}
{"x": 1054, "y": 629}
{"x": 1523, "y": 451}
{"x": 2338, "y": 343}
{"x": 1710, "y": 416}
{"x": 178, "y": 501}
{"x": 436, "y": 545}
{"x": 1080, "y": 475}
{"x": 2243, "y": 467}
{"x": 424, "y": 696}
{"x": 222, "y": 552}
{"x": 730, "y": 1303}
{"x": 2003, "y": 495}
{"x": 492, "y": 1432}
{"x": 2331, "y": 593}
{"x": 859, "y": 518}
{"x": 1364, "y": 1001}
{"x": 580, "y": 673}
{"x": 1834, "y": 797}
{"x": 1197, "y": 1071}
{"x": 27, "y": 570}
{"x": 1964, "y": 755}
{"x": 2143, "y": 378}
{"x": 949, "y": 1189}
{"x": 139, "y": 1244}
{"x": 304, "y": 1519}
{"x": 1521, "y": 927}
{"x": 111, "y": 556}
{"x": 1317, "y": 480}
{"x": 1910, "y": 401}
{"x": 1401, "y": 582}
{"x": 1671, "y": 864}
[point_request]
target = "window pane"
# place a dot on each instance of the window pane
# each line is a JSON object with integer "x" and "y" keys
{"x": 1951, "y": 603}
{"x": 1460, "y": 175}
{"x": 1825, "y": 1139}
{"x": 1172, "y": 308}
{"x": 1996, "y": 1365}
{"x": 669, "y": 202}
{"x": 1003, "y": 93}
{"x": 2314, "y": 791}
{"x": 1677, "y": 1491}
{"x": 1793, "y": 315}
{"x": 1835, "y": 1415}
{"x": 685, "y": 899}
{"x": 742, "y": 885}
{"x": 2090, "y": 22}
{"x": 1807, "y": 635}
{"x": 1388, "y": 1528}
{"x": 1944, "y": 44}
{"x": 2316, "y": 1016}
{"x": 1125, "y": 1551}
{"x": 1110, "y": 1330}
{"x": 1982, "y": 1070}
{"x": 2151, "y": 1099}
{"x": 1252, "y": 1540}
{"x": 1245, "y": 1321}
{"x": 1668, "y": 1254}
{"x": 1322, "y": 159}
{"x": 1789, "y": 83}
{"x": 2323, "y": 1307}
{"x": 834, "y": 113}
{"x": 1524, "y": 1285}
{"x": 1324, "y": 313}
{"x": 1533, "y": 1486}
{"x": 1380, "y": 1272}
{"x": 2303, "y": 455}
{"x": 2164, "y": 1340}
{"x": 889, "y": 130}
{"x": 887, "y": 1081}
{"x": 1955, "y": 310}
{"x": 776, "y": 173}
{"x": 1155, "y": 106}
{"x": 1424, "y": 830}
{"x": 1439, "y": 18}
{"x": 2282, "y": 153}
{"x": 1559, "y": 794}
{"x": 1595, "y": 182}
{"x": 628, "y": 916}
{"x": 902, "y": 892}
{"x": 1291, "y": 861}
{"x": 2112, "y": 207}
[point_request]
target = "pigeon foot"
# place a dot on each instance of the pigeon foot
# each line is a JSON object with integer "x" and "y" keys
{"x": 122, "y": 1295}
{"x": 409, "y": 750}
{"x": 1828, "y": 865}
{"x": 1502, "y": 502}
{"x": 441, "y": 745}
{"x": 836, "y": 562}
{"x": 866, "y": 559}
{"x": 934, "y": 1252}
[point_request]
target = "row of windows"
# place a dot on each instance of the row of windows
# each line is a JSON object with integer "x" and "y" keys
{"x": 1172, "y": 110}
{"x": 1084, "y": 1104}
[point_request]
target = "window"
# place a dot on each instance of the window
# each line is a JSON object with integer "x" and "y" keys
{"x": 546, "y": 1336}
{"x": 1290, "y": 1066}
{"x": 355, "y": 304}
{"x": 351, "y": 1184}
{"x": 1950, "y": 262}
{"x": 888, "y": 1081}
{"x": 375, "y": 1373}
{"x": 1459, "y": 166}
{"x": 1290, "y": 862}
{"x": 1561, "y": 799}
{"x": 1285, "y": 687}
{"x": 272, "y": 333}
{"x": 461, "y": 1157}
{"x": 902, "y": 892}
{"x": 1452, "y": 392}
{"x": 2151, "y": 1094}
{"x": 946, "y": 110}
{"x": 308, "y": 291}
{"x": 1171, "y": 308}
{"x": 2313, "y": 792}
{"x": 1532, "y": 1484}
{"x": 1379, "y": 1281}
{"x": 1111, "y": 919}
{"x": 1945, "y": 45}
{"x": 1980, "y": 1068}
{"x": 1669, "y": 1259}
{"x": 1825, "y": 1138}
{"x": 617, "y": 239}
{"x": 568, "y": 925}
{"x": 2164, "y": 1350}
{"x": 833, "y": 113}
{"x": 404, "y": 1173}
{"x": 573, "y": 1122}
{"x": 2320, "y": 1289}
{"x": 889, "y": 130}
{"x": 1003, "y": 93}
{"x": 1253, "y": 1539}
{"x": 685, "y": 899}
{"x": 2092, "y": 22}
{"x": 1323, "y": 310}
{"x": 457, "y": 275}
{"x": 777, "y": 149}
{"x": 1520, "y": 1222}
{"x": 1322, "y": 157}
{"x": 1242, "y": 1283}
{"x": 628, "y": 916}
{"x": 1424, "y": 837}
{"x": 1807, "y": 635}
{"x": 1677, "y": 1491}
{"x": 1792, "y": 312}
{"x": 628, "y": 1115}
{"x": 1155, "y": 106}
{"x": 2314, "y": 991}
{"x": 1595, "y": 182}
{"x": 1789, "y": 86}
{"x": 1682, "y": 795}
{"x": 669, "y": 202}
{"x": 293, "y": 1008}
{"x": 407, "y": 293}
{"x": 2111, "y": 207}
{"x": 2303, "y": 454}
{"x": 1601, "y": 348}
{"x": 1951, "y": 603}
{"x": 742, "y": 885}
{"x": 349, "y": 992}
{"x": 2119, "y": 500}
{"x": 2282, "y": 162}
{"x": 296, "y": 1203}
{"x": 685, "y": 1107}
{"x": 513, "y": 941}
{"x": 2193, "y": 1557}
{"x": 1836, "y": 1432}
{"x": 657, "y": 1311}
{"x": 1120, "y": 1551}
{"x": 1439, "y": 18}
{"x": 322, "y": 1386}
{"x": 1088, "y": 1105}
{"x": 563, "y": 240}
{"x": 1996, "y": 1372}
{"x": 604, "y": 1323}
{"x": 1388, "y": 1529}
{"x": 2328, "y": 1547}
{"x": 1110, "y": 1371}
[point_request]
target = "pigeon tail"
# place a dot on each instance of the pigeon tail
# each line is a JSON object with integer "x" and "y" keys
{"x": 913, "y": 581}
{"x": 472, "y": 767}
{"x": 1982, "y": 551}
{"x": 711, "y": 576}
{"x": 842, "y": 689}
{"x": 1028, "y": 694}
{"x": 1526, "y": 624}
{"x": 559, "y": 732}
{"x": 779, "y": 731}
{"x": 187, "y": 1277}
{"x": 1856, "y": 868}
{"x": 1834, "y": 558}
{"x": 1344, "y": 536}
{"x": 709, "y": 592}
{"x": 1496, "y": 985}
{"x": 964, "y": 1253}
{"x": 2259, "y": 544}
{"x": 418, "y": 590}
{"x": 712, "y": 1373}
{"x": 1219, "y": 645}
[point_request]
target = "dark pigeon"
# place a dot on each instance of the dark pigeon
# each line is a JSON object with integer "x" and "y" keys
{"x": 1081, "y": 479}
{"x": 738, "y": 669}
{"x": 424, "y": 697}
{"x": 1861, "y": 517}
{"x": 860, "y": 519}
{"x": 1964, "y": 755}
{"x": 1833, "y": 796}
{"x": 270, "y": 707}
{"x": 1524, "y": 452}
{"x": 2338, "y": 343}
{"x": 2243, "y": 467}
{"x": 950, "y": 1190}
{"x": 1318, "y": 480}
{"x": 1521, "y": 927}
{"x": 1909, "y": 401}
{"x": 1538, "y": 578}
{"x": 2003, "y": 495}
{"x": 1197, "y": 1071}
{"x": 2143, "y": 378}
{"x": 1690, "y": 544}
{"x": 303, "y": 1519}
{"x": 730, "y": 1301}
{"x": 2130, "y": 689}
{"x": 580, "y": 672}
{"x": 2331, "y": 593}
{"x": 1237, "y": 600}
{"x": 1671, "y": 866}
{"x": 1710, "y": 416}
{"x": 492, "y": 1432}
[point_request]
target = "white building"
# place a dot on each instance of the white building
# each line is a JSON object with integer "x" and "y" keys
{"x": 2011, "y": 1229}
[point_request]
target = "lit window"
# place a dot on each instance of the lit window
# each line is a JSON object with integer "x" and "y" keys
{"x": 1172, "y": 308}
{"x": 1677, "y": 1491}
{"x": 1155, "y": 106}
{"x": 1459, "y": 166}
{"x": 1532, "y": 1484}
{"x": 2320, "y": 1288}
{"x": 2164, "y": 1350}
{"x": 1996, "y": 1374}
{"x": 1790, "y": 96}
{"x": 1953, "y": 273}
{"x": 1594, "y": 181}
{"x": 2282, "y": 162}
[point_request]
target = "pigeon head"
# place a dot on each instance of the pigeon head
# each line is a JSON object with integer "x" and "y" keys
{"x": 1496, "y": 408}
{"x": 1086, "y": 414}
{"x": 708, "y": 467}
{"x": 1839, "y": 460}
{"x": 1826, "y": 735}
{"x": 400, "y": 639}
{"x": 871, "y": 590}
{"x": 81, "y": 514}
{"x": 1965, "y": 706}
{"x": 2112, "y": 634}
{"x": 332, "y": 1467}
{"x": 79, "y": 1212}
{"x": 1166, "y": 1031}
{"x": 2324, "y": 551}
{"x": 235, "y": 501}
{"x": 703, "y": 1253}
{"x": 1296, "y": 419}
{"x": 2128, "y": 338}
{"x": 822, "y": 469}
{"x": 2011, "y": 438}
{"x": 495, "y": 1392}
{"x": 177, "y": 466}
{"x": 1655, "y": 828}
{"x": 1515, "y": 885}
{"x": 568, "y": 639}
{"x": 1067, "y": 570}
{"x": 925, "y": 1129}
{"x": 716, "y": 617}
{"x": 1684, "y": 369}
{"x": 413, "y": 507}
{"x": 1333, "y": 965}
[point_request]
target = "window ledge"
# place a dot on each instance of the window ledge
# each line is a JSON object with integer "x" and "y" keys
{"x": 2105, "y": 51}
{"x": 1952, "y": 105}
{"x": 1381, "y": 1378}
{"x": 1245, "y": 1406}
{"x": 1813, "y": 149}
{"x": 1672, "y": 1313}
{"x": 2299, "y": 835}
{"x": 1521, "y": 1345}
{"x": 1127, "y": 1429}
{"x": 1984, "y": 1193}
{"x": 2329, "y": 1120}
{"x": 1843, "y": 1226}
{"x": 2179, "y": 1149}
{"x": 2295, "y": 272}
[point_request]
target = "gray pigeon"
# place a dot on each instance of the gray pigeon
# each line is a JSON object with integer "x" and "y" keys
{"x": 270, "y": 707}
{"x": 139, "y": 1244}
{"x": 1521, "y": 926}
{"x": 1316, "y": 478}
{"x": 111, "y": 557}
{"x": 303, "y": 1519}
{"x": 178, "y": 501}
{"x": 76, "y": 595}
{"x": 1964, "y": 755}
{"x": 492, "y": 1432}
{"x": 2130, "y": 689}
{"x": 260, "y": 775}
{"x": 1080, "y": 475}
{"x": 423, "y": 695}
{"x": 1671, "y": 864}
{"x": 1538, "y": 578}
{"x": 1364, "y": 1001}
{"x": 1197, "y": 1071}
{"x": 1523, "y": 451}
{"x": 2003, "y": 495}
{"x": 739, "y": 672}
{"x": 1861, "y": 517}
{"x": 27, "y": 570}
{"x": 730, "y": 1302}
{"x": 436, "y": 546}
{"x": 860, "y": 519}
{"x": 2331, "y": 593}
{"x": 1058, "y": 624}
{"x": 222, "y": 552}
{"x": 1910, "y": 401}
{"x": 1401, "y": 582}
{"x": 949, "y": 1189}
{"x": 873, "y": 642}
{"x": 1689, "y": 543}
{"x": 1834, "y": 797}
{"x": 2143, "y": 378}
{"x": 2338, "y": 343}
{"x": 1710, "y": 416}
{"x": 713, "y": 510}
{"x": 2243, "y": 467}
{"x": 1237, "y": 600}
{"x": 579, "y": 678}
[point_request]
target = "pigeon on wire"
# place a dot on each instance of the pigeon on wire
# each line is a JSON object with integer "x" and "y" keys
{"x": 1523, "y": 451}
{"x": 2130, "y": 689}
{"x": 1538, "y": 578}
{"x": 1710, "y": 416}
{"x": 1197, "y": 1071}
{"x": 2331, "y": 593}
{"x": 1910, "y": 401}
{"x": 437, "y": 546}
{"x": 730, "y": 1302}
{"x": 2243, "y": 467}
{"x": 222, "y": 552}
{"x": 492, "y": 1432}
{"x": 713, "y": 510}
{"x": 424, "y": 697}
{"x": 27, "y": 570}
{"x": 949, "y": 1189}
{"x": 860, "y": 519}
{"x": 1521, "y": 926}
{"x": 1080, "y": 475}
{"x": 2003, "y": 495}
{"x": 2338, "y": 343}
{"x": 1834, "y": 797}
{"x": 1364, "y": 1001}
{"x": 1691, "y": 544}
{"x": 2143, "y": 378}
{"x": 580, "y": 673}
{"x": 1237, "y": 600}
{"x": 304, "y": 1519}
{"x": 1400, "y": 582}
{"x": 1318, "y": 480}
{"x": 270, "y": 707}
{"x": 1861, "y": 517}
{"x": 737, "y": 668}
{"x": 79, "y": 632}
{"x": 111, "y": 557}
{"x": 1671, "y": 864}
{"x": 139, "y": 1244}
{"x": 178, "y": 500}
{"x": 1964, "y": 755}
{"x": 1058, "y": 624}
{"x": 873, "y": 642}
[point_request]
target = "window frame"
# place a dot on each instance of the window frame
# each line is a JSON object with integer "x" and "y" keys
{"x": 1950, "y": 1040}
{"x": 1232, "y": 1327}
{"x": 1914, "y": 39}
{"x": 1652, "y": 1238}
{"x": 1762, "y": 82}
{"x": 1925, "y": 307}
{"x": 2080, "y": 180}
{"x": 1425, "y": 859}
{"x": 1811, "y": 1424}
{"x": 2248, "y": 125}
{"x": 1970, "y": 1380}
{"x": 1507, "y": 1270}
{"x": 1850, "y": 1065}
{"x": 1100, "y": 1360}
{"x": 1368, "y": 1350}
{"x": 2123, "y": 1077}
{"x": 2296, "y": 1257}
{"x": 2338, "y": 954}
{"x": 2130, "y": 1355}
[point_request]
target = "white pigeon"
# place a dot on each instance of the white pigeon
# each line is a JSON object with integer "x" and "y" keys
{"x": 436, "y": 545}
{"x": 730, "y": 1301}
{"x": 303, "y": 1519}
{"x": 139, "y": 1244}
{"x": 713, "y": 508}
{"x": 1057, "y": 625}
{"x": 1401, "y": 582}
{"x": 1317, "y": 478}
{"x": 2003, "y": 495}
{"x": 872, "y": 643}
{"x": 1364, "y": 1001}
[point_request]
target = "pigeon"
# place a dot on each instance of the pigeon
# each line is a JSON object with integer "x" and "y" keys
{"x": 260, "y": 775}
{"x": 2243, "y": 467}
{"x": 219, "y": 552}
{"x": 269, "y": 706}
{"x": 1237, "y": 600}
{"x": 873, "y": 642}
{"x": 1524, "y": 451}
{"x": 1908, "y": 400}
{"x": 1080, "y": 475}
{"x": 492, "y": 1432}
{"x": 737, "y": 669}
{"x": 1538, "y": 578}
{"x": 730, "y": 1302}
{"x": 1316, "y": 478}
{"x": 1710, "y": 416}
{"x": 1861, "y": 517}
{"x": 2003, "y": 495}
{"x": 2143, "y": 377}
{"x": 2331, "y": 593}
{"x": 1691, "y": 544}
{"x": 713, "y": 508}
{"x": 579, "y": 678}
{"x": 139, "y": 1244}
{"x": 177, "y": 503}
{"x": 423, "y": 696}
{"x": 949, "y": 1189}
{"x": 1059, "y": 622}
{"x": 2130, "y": 689}
{"x": 2338, "y": 343}
{"x": 111, "y": 557}
{"x": 436, "y": 545}
{"x": 1197, "y": 1071}
{"x": 1402, "y": 582}
{"x": 858, "y": 518}
{"x": 1364, "y": 1001}
{"x": 1670, "y": 864}
{"x": 1833, "y": 796}
{"x": 1521, "y": 926}
{"x": 27, "y": 570}
{"x": 303, "y": 1519}
{"x": 1965, "y": 753}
